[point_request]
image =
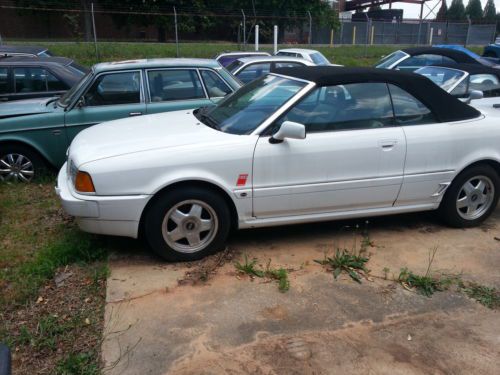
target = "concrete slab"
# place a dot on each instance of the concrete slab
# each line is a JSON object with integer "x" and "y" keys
{"x": 233, "y": 325}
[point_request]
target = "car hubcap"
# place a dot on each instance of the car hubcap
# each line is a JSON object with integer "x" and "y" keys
{"x": 475, "y": 197}
{"x": 189, "y": 226}
{"x": 16, "y": 167}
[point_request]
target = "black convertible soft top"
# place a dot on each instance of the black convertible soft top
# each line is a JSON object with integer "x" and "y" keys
{"x": 458, "y": 56}
{"x": 444, "y": 106}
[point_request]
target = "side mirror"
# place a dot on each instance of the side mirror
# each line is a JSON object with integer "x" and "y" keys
{"x": 289, "y": 129}
{"x": 474, "y": 95}
{"x": 81, "y": 102}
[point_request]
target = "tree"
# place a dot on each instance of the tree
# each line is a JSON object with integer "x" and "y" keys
{"x": 456, "y": 11}
{"x": 474, "y": 9}
{"x": 490, "y": 11}
{"x": 442, "y": 14}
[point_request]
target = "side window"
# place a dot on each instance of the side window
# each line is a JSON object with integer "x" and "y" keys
{"x": 214, "y": 84}
{"x": 417, "y": 61}
{"x": 54, "y": 84}
{"x": 253, "y": 71}
{"x": 115, "y": 88}
{"x": 408, "y": 110}
{"x": 4, "y": 80}
{"x": 174, "y": 84}
{"x": 487, "y": 83}
{"x": 30, "y": 80}
{"x": 344, "y": 107}
{"x": 287, "y": 65}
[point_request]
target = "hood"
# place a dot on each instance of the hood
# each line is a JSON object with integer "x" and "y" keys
{"x": 26, "y": 107}
{"x": 143, "y": 133}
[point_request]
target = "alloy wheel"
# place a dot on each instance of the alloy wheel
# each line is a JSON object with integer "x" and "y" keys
{"x": 16, "y": 167}
{"x": 475, "y": 197}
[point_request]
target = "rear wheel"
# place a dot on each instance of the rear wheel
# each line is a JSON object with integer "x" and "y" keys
{"x": 187, "y": 224}
{"x": 472, "y": 197}
{"x": 19, "y": 163}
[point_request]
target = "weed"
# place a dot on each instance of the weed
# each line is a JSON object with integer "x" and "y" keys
{"x": 78, "y": 364}
{"x": 426, "y": 285}
{"x": 345, "y": 261}
{"x": 249, "y": 267}
{"x": 386, "y": 271}
{"x": 487, "y": 296}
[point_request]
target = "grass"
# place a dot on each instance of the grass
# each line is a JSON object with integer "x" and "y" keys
{"x": 426, "y": 284}
{"x": 48, "y": 326}
{"x": 111, "y": 51}
{"x": 250, "y": 268}
{"x": 487, "y": 296}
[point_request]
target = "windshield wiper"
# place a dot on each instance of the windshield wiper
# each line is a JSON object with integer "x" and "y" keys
{"x": 201, "y": 114}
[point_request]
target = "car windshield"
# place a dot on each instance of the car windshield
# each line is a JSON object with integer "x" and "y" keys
{"x": 234, "y": 65}
{"x": 388, "y": 61}
{"x": 445, "y": 78}
{"x": 243, "y": 111}
{"x": 67, "y": 98}
{"x": 319, "y": 59}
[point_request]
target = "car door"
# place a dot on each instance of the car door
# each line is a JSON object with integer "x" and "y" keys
{"x": 5, "y": 84}
{"x": 111, "y": 96}
{"x": 175, "y": 89}
{"x": 351, "y": 159}
{"x": 432, "y": 150}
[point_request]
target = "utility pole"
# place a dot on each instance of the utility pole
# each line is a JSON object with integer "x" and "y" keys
{"x": 310, "y": 27}
{"x": 244, "y": 31}
{"x": 176, "y": 34}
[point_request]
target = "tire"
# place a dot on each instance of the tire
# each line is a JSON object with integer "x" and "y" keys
{"x": 177, "y": 219}
{"x": 465, "y": 187}
{"x": 20, "y": 163}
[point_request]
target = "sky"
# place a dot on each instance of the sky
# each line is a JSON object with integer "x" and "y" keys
{"x": 413, "y": 10}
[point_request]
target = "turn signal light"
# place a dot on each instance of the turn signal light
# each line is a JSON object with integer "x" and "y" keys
{"x": 83, "y": 183}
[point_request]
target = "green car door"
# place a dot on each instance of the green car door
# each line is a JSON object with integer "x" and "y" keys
{"x": 173, "y": 89}
{"x": 111, "y": 96}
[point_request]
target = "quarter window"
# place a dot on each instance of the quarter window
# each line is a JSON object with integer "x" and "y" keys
{"x": 4, "y": 81}
{"x": 418, "y": 61}
{"x": 174, "y": 84}
{"x": 253, "y": 71}
{"x": 344, "y": 107}
{"x": 215, "y": 86}
{"x": 408, "y": 110}
{"x": 116, "y": 88}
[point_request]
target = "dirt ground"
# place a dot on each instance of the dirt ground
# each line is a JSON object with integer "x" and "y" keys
{"x": 165, "y": 319}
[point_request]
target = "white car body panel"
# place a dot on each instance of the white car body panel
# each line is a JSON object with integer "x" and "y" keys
{"x": 329, "y": 175}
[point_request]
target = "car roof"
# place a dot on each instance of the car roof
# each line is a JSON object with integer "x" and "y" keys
{"x": 35, "y": 50}
{"x": 443, "y": 105}
{"x": 232, "y": 53}
{"x": 458, "y": 56}
{"x": 155, "y": 63}
{"x": 298, "y": 50}
{"x": 18, "y": 60}
{"x": 274, "y": 59}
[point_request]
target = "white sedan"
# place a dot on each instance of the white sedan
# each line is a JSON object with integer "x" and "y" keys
{"x": 300, "y": 145}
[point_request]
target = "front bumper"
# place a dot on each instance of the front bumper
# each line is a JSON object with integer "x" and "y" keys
{"x": 111, "y": 215}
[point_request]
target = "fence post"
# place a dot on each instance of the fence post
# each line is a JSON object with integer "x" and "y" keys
{"x": 94, "y": 31}
{"x": 372, "y": 34}
{"x": 331, "y": 38}
{"x": 310, "y": 28}
{"x": 176, "y": 34}
{"x": 430, "y": 36}
{"x": 256, "y": 37}
{"x": 468, "y": 31}
{"x": 354, "y": 35}
{"x": 275, "y": 39}
{"x": 419, "y": 30}
{"x": 244, "y": 31}
{"x": 341, "y": 32}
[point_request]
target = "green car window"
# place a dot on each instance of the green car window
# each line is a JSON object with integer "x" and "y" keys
{"x": 4, "y": 83}
{"x": 30, "y": 79}
{"x": 115, "y": 88}
{"x": 174, "y": 84}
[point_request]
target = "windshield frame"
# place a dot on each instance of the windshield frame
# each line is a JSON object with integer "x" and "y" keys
{"x": 449, "y": 90}
{"x": 395, "y": 63}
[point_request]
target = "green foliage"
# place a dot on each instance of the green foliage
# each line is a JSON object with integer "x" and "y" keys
{"x": 487, "y": 296}
{"x": 347, "y": 262}
{"x": 474, "y": 9}
{"x": 490, "y": 10}
{"x": 456, "y": 11}
{"x": 78, "y": 364}
{"x": 442, "y": 13}
{"x": 425, "y": 285}
{"x": 250, "y": 268}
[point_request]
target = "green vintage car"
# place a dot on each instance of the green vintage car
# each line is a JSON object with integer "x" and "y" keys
{"x": 35, "y": 133}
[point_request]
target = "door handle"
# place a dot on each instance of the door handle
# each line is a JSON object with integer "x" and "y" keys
{"x": 56, "y": 132}
{"x": 388, "y": 144}
{"x": 135, "y": 113}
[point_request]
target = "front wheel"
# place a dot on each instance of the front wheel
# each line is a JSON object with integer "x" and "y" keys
{"x": 20, "y": 164}
{"x": 472, "y": 197}
{"x": 187, "y": 224}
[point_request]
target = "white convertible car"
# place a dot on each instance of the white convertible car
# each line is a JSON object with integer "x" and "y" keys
{"x": 300, "y": 145}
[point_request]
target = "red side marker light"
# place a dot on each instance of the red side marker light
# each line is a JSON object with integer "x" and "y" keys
{"x": 242, "y": 180}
